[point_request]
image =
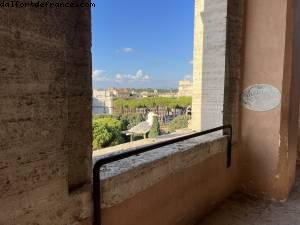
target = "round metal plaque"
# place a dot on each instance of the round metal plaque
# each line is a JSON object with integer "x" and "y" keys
{"x": 261, "y": 97}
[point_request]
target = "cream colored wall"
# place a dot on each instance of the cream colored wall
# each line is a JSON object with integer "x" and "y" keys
{"x": 209, "y": 64}
{"x": 217, "y": 63}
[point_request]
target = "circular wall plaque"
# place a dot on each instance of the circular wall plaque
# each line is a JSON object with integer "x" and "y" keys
{"x": 261, "y": 97}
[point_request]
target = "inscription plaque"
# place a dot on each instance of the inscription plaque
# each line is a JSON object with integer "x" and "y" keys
{"x": 261, "y": 97}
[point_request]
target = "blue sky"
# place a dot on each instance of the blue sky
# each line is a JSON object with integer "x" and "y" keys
{"x": 142, "y": 43}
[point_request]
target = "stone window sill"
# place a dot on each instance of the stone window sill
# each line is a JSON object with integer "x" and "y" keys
{"x": 124, "y": 179}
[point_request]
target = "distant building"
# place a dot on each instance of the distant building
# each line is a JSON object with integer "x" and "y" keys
{"x": 147, "y": 94}
{"x": 134, "y": 93}
{"x": 102, "y": 102}
{"x": 120, "y": 92}
{"x": 185, "y": 88}
{"x": 168, "y": 94}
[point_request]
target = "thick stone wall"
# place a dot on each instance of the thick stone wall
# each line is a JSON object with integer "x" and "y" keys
{"x": 233, "y": 51}
{"x": 178, "y": 184}
{"x": 233, "y": 67}
{"x": 45, "y": 113}
{"x": 298, "y": 152}
{"x": 217, "y": 68}
{"x": 297, "y": 71}
{"x": 209, "y": 63}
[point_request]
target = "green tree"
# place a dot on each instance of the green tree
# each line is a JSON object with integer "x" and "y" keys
{"x": 179, "y": 122}
{"x": 151, "y": 102}
{"x": 127, "y": 121}
{"x": 155, "y": 129}
{"x": 132, "y": 119}
{"x": 106, "y": 132}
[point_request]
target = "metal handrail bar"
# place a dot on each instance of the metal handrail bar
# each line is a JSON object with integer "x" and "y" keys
{"x": 143, "y": 149}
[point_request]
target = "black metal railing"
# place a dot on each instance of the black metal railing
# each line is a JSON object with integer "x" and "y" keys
{"x": 143, "y": 149}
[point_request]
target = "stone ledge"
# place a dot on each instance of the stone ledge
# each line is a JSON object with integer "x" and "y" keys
{"x": 122, "y": 180}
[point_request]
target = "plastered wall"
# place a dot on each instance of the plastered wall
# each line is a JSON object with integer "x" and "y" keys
{"x": 269, "y": 138}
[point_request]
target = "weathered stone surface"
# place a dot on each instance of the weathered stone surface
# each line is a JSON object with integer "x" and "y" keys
{"x": 173, "y": 185}
{"x": 126, "y": 178}
{"x": 209, "y": 63}
{"x": 45, "y": 116}
{"x": 234, "y": 64}
{"x": 217, "y": 68}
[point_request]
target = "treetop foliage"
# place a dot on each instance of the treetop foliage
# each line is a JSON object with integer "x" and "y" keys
{"x": 179, "y": 122}
{"x": 106, "y": 132}
{"x": 151, "y": 102}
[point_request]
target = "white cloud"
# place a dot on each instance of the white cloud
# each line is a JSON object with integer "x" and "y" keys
{"x": 191, "y": 62}
{"x": 138, "y": 77}
{"x": 188, "y": 77}
{"x": 125, "y": 50}
{"x": 99, "y": 75}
